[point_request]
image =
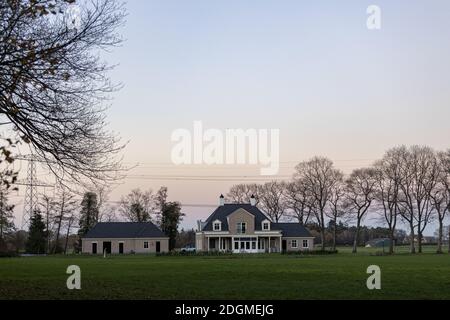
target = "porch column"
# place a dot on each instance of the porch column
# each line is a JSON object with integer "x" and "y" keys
{"x": 207, "y": 239}
{"x": 281, "y": 245}
{"x": 270, "y": 249}
{"x": 220, "y": 243}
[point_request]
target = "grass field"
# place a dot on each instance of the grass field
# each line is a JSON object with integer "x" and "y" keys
{"x": 267, "y": 276}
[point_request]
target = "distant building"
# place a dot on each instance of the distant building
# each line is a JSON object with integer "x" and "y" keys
{"x": 379, "y": 243}
{"x": 125, "y": 237}
{"x": 243, "y": 228}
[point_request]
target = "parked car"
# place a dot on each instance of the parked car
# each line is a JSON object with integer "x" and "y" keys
{"x": 188, "y": 248}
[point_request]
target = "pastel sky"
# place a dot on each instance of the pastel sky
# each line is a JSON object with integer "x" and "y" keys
{"x": 311, "y": 69}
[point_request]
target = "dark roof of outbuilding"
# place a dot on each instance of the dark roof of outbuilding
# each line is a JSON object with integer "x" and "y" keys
{"x": 222, "y": 212}
{"x": 291, "y": 229}
{"x": 125, "y": 230}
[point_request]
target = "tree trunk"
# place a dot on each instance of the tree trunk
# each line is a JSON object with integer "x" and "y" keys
{"x": 67, "y": 240}
{"x": 61, "y": 215}
{"x": 391, "y": 244}
{"x": 448, "y": 240}
{"x": 439, "y": 240}
{"x": 58, "y": 231}
{"x": 334, "y": 235}
{"x": 412, "y": 246}
{"x": 322, "y": 229}
{"x": 322, "y": 236}
{"x": 356, "y": 238}
{"x": 419, "y": 241}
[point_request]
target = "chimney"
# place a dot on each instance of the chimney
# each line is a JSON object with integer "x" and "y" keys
{"x": 221, "y": 200}
{"x": 253, "y": 200}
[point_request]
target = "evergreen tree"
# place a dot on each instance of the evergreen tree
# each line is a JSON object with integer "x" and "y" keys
{"x": 37, "y": 236}
{"x": 6, "y": 215}
{"x": 88, "y": 215}
{"x": 170, "y": 218}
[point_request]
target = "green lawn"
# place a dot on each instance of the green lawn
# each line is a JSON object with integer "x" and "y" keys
{"x": 274, "y": 276}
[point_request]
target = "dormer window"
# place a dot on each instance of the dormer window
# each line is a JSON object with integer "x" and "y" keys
{"x": 217, "y": 225}
{"x": 265, "y": 225}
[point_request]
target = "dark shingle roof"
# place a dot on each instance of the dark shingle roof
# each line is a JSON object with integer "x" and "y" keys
{"x": 291, "y": 229}
{"x": 222, "y": 212}
{"x": 125, "y": 230}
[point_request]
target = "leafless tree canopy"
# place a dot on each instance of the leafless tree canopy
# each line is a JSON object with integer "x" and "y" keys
{"x": 53, "y": 84}
{"x": 241, "y": 193}
{"x": 271, "y": 199}
{"x": 360, "y": 193}
{"x": 298, "y": 201}
{"x": 440, "y": 195}
{"x": 138, "y": 206}
{"x": 387, "y": 191}
{"x": 320, "y": 177}
{"x": 408, "y": 184}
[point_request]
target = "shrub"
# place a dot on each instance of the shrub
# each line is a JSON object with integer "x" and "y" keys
{"x": 194, "y": 253}
{"x": 311, "y": 252}
{"x": 8, "y": 254}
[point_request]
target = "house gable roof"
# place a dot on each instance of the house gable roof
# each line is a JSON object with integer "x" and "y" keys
{"x": 222, "y": 212}
{"x": 291, "y": 229}
{"x": 125, "y": 230}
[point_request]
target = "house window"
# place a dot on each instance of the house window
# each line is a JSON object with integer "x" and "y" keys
{"x": 294, "y": 244}
{"x": 217, "y": 226}
{"x": 236, "y": 245}
{"x": 145, "y": 244}
{"x": 266, "y": 226}
{"x": 305, "y": 243}
{"x": 241, "y": 227}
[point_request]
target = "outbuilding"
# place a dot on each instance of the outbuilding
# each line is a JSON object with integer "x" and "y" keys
{"x": 124, "y": 238}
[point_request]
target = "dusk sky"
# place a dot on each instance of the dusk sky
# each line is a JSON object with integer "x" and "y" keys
{"x": 310, "y": 69}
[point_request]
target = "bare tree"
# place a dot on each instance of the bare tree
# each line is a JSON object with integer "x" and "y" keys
{"x": 47, "y": 205}
{"x": 440, "y": 195}
{"x": 271, "y": 199}
{"x": 137, "y": 206}
{"x": 387, "y": 193}
{"x": 241, "y": 193}
{"x": 419, "y": 177}
{"x": 298, "y": 201}
{"x": 53, "y": 84}
{"x": 336, "y": 204}
{"x": 320, "y": 177}
{"x": 110, "y": 214}
{"x": 360, "y": 192}
{"x": 69, "y": 224}
{"x": 65, "y": 205}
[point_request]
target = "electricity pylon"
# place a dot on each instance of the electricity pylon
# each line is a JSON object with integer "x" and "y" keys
{"x": 31, "y": 183}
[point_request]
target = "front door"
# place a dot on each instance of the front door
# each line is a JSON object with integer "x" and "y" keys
{"x": 158, "y": 246}
{"x": 107, "y": 246}
{"x": 121, "y": 247}
{"x": 283, "y": 245}
{"x": 94, "y": 248}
